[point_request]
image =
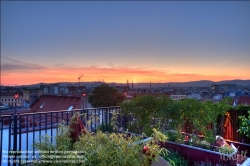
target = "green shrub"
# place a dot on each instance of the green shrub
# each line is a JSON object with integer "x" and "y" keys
{"x": 175, "y": 159}
{"x": 172, "y": 135}
{"x": 98, "y": 149}
{"x": 245, "y": 125}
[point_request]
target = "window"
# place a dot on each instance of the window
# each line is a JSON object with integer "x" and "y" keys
{"x": 70, "y": 108}
{"x": 41, "y": 106}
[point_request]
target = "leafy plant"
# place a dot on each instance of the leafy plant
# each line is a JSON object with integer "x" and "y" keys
{"x": 226, "y": 150}
{"x": 199, "y": 115}
{"x": 141, "y": 111}
{"x": 175, "y": 159}
{"x": 245, "y": 125}
{"x": 98, "y": 149}
{"x": 172, "y": 135}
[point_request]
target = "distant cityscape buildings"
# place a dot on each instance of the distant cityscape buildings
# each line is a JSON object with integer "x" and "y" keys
{"x": 34, "y": 98}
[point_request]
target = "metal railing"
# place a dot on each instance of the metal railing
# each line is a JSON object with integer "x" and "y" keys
{"x": 19, "y": 131}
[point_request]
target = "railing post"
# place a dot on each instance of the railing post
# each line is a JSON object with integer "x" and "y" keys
{"x": 15, "y": 139}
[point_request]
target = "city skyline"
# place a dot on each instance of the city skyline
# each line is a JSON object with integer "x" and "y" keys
{"x": 141, "y": 41}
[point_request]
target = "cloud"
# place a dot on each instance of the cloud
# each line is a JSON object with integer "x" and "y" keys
{"x": 111, "y": 65}
{"x": 18, "y": 65}
{"x": 9, "y": 67}
{"x": 60, "y": 64}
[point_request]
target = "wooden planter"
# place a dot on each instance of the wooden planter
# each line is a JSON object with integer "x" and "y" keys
{"x": 195, "y": 154}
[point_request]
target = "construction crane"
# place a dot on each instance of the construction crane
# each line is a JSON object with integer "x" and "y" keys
{"x": 79, "y": 78}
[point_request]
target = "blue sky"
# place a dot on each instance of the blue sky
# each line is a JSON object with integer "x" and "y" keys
{"x": 142, "y": 40}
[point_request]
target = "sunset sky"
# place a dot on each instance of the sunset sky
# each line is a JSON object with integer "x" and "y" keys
{"x": 142, "y": 41}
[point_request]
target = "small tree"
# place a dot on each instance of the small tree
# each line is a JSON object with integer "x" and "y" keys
{"x": 105, "y": 96}
{"x": 142, "y": 109}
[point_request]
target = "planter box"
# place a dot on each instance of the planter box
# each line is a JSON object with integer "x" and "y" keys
{"x": 195, "y": 154}
{"x": 243, "y": 148}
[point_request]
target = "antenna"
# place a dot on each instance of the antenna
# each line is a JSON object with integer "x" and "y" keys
{"x": 79, "y": 78}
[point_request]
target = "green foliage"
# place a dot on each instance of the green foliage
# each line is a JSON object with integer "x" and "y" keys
{"x": 99, "y": 149}
{"x": 172, "y": 135}
{"x": 149, "y": 112}
{"x": 200, "y": 115}
{"x": 110, "y": 149}
{"x": 226, "y": 150}
{"x": 168, "y": 113}
{"x": 63, "y": 142}
{"x": 164, "y": 113}
{"x": 175, "y": 159}
{"x": 245, "y": 125}
{"x": 142, "y": 108}
{"x": 158, "y": 136}
{"x": 105, "y": 96}
{"x": 105, "y": 127}
{"x": 240, "y": 108}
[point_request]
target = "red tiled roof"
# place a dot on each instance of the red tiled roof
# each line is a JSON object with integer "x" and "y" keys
{"x": 56, "y": 103}
{"x": 244, "y": 100}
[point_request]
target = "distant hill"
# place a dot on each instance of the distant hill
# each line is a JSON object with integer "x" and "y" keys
{"x": 201, "y": 83}
{"x": 239, "y": 82}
